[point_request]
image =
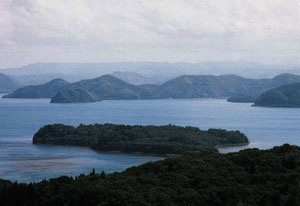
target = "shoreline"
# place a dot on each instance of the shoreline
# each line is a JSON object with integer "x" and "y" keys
{"x": 232, "y": 145}
{"x": 141, "y": 153}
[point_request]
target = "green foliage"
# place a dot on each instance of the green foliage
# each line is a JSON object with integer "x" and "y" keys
{"x": 209, "y": 86}
{"x": 47, "y": 90}
{"x": 160, "y": 140}
{"x": 283, "y": 96}
{"x": 247, "y": 178}
{"x": 187, "y": 86}
{"x": 75, "y": 96}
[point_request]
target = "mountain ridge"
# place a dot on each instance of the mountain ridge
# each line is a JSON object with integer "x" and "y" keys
{"x": 284, "y": 96}
{"x": 47, "y": 90}
{"x": 137, "y": 79}
{"x": 40, "y": 73}
{"x": 107, "y": 87}
{"x": 7, "y": 84}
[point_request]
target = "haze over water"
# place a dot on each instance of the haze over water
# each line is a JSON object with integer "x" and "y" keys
{"x": 21, "y": 118}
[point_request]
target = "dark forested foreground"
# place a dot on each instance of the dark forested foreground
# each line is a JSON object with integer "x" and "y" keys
{"x": 250, "y": 177}
{"x": 159, "y": 140}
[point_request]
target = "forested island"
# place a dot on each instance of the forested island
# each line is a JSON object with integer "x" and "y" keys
{"x": 283, "y": 96}
{"x": 108, "y": 87}
{"x": 75, "y": 96}
{"x": 249, "y": 177}
{"x": 159, "y": 140}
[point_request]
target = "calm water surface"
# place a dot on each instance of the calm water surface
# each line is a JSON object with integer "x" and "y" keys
{"x": 20, "y": 119}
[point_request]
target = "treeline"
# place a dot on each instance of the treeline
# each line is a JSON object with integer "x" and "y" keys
{"x": 159, "y": 140}
{"x": 250, "y": 177}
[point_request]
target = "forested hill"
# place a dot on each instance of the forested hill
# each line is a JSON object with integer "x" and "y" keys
{"x": 108, "y": 87}
{"x": 104, "y": 87}
{"x": 248, "y": 93}
{"x": 138, "y": 79}
{"x": 47, "y": 90}
{"x": 283, "y": 96}
{"x": 160, "y": 140}
{"x": 249, "y": 178}
{"x": 75, "y": 96}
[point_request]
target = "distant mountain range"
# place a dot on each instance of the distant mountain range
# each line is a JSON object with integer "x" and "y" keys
{"x": 108, "y": 87}
{"x": 138, "y": 79}
{"x": 142, "y": 72}
{"x": 151, "y": 72}
{"x": 104, "y": 87}
{"x": 283, "y": 96}
{"x": 260, "y": 86}
{"x": 7, "y": 84}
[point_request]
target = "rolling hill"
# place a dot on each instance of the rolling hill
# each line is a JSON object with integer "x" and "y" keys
{"x": 261, "y": 86}
{"x": 47, "y": 90}
{"x": 7, "y": 84}
{"x": 137, "y": 79}
{"x": 75, "y": 96}
{"x": 208, "y": 86}
{"x": 108, "y": 87}
{"x": 283, "y": 96}
{"x": 104, "y": 87}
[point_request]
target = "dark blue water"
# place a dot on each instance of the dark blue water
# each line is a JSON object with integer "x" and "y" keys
{"x": 20, "y": 119}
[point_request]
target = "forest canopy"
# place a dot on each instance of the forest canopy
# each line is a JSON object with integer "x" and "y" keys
{"x": 159, "y": 140}
{"x": 247, "y": 178}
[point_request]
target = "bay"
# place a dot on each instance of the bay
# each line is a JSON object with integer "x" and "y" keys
{"x": 21, "y": 118}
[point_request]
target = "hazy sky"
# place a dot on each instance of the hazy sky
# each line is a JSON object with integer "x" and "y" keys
{"x": 148, "y": 30}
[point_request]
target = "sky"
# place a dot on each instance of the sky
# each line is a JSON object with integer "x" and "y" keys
{"x": 265, "y": 31}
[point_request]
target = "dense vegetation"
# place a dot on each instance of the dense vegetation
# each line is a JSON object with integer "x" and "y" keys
{"x": 104, "y": 87}
{"x": 47, "y": 90}
{"x": 187, "y": 86}
{"x": 7, "y": 84}
{"x": 145, "y": 139}
{"x": 283, "y": 96}
{"x": 208, "y": 86}
{"x": 109, "y": 87}
{"x": 74, "y": 96}
{"x": 248, "y": 178}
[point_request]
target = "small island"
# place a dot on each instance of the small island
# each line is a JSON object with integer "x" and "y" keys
{"x": 283, "y": 96}
{"x": 108, "y": 87}
{"x": 75, "y": 96}
{"x": 159, "y": 140}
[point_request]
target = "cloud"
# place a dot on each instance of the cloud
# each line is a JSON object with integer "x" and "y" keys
{"x": 6, "y": 25}
{"x": 151, "y": 30}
